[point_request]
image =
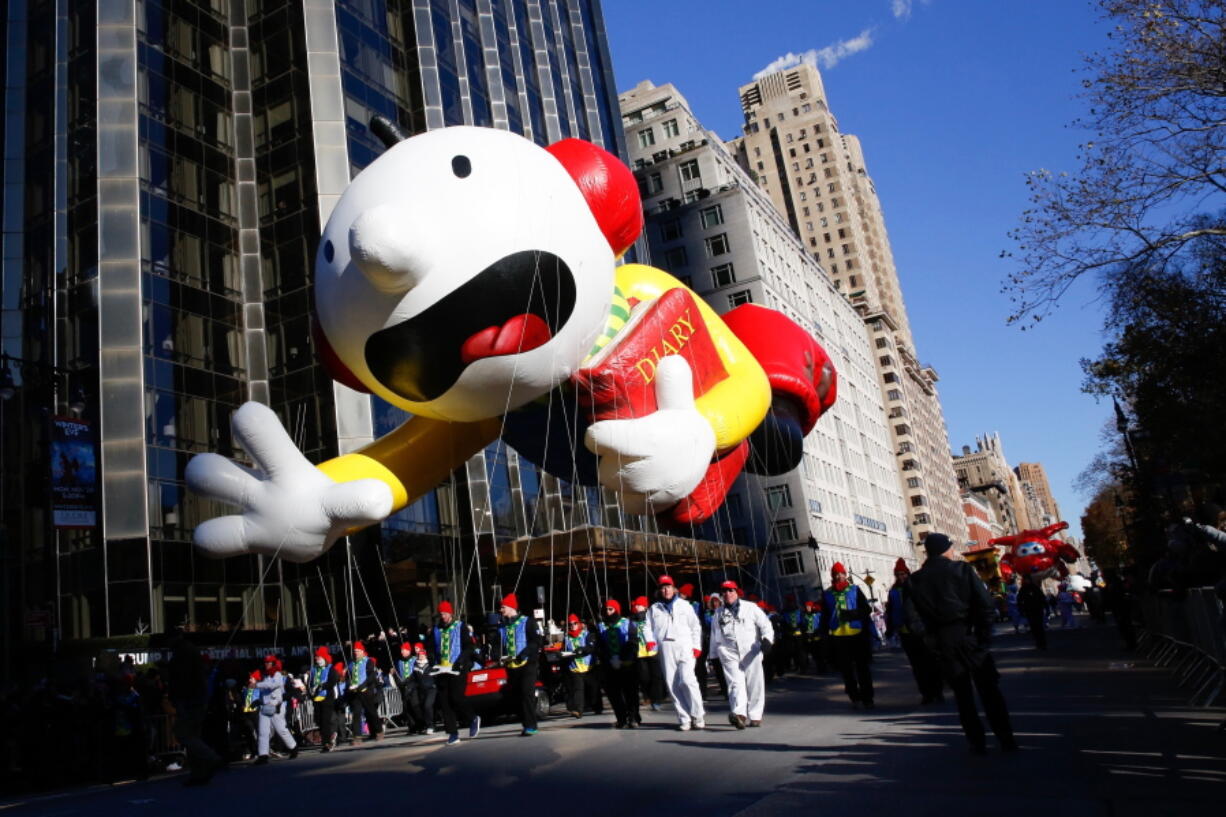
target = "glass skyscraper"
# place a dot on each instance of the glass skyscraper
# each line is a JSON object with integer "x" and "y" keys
{"x": 167, "y": 169}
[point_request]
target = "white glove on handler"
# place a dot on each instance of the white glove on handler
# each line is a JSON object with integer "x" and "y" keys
{"x": 293, "y": 511}
{"x": 656, "y": 461}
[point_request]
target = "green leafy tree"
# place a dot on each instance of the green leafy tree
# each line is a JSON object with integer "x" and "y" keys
{"x": 1151, "y": 187}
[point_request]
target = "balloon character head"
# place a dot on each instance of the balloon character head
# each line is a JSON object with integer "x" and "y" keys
{"x": 466, "y": 272}
{"x": 1034, "y": 555}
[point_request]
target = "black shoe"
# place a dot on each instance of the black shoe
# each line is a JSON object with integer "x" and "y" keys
{"x": 741, "y": 722}
{"x": 293, "y": 753}
{"x": 632, "y": 724}
{"x": 619, "y": 725}
{"x": 262, "y": 760}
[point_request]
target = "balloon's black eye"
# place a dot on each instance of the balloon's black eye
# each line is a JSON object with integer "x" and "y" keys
{"x": 461, "y": 166}
{"x": 328, "y": 251}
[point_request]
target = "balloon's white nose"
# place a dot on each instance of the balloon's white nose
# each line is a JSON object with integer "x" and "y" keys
{"x": 381, "y": 245}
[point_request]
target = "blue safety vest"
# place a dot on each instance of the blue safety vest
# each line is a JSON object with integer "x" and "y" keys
{"x": 579, "y": 663}
{"x": 357, "y": 672}
{"x": 455, "y": 642}
{"x": 838, "y": 602}
{"x": 318, "y": 676}
{"x": 616, "y": 636}
{"x": 514, "y": 639}
{"x": 795, "y": 621}
{"x": 895, "y": 612}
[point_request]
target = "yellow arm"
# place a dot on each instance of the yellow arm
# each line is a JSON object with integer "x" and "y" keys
{"x": 735, "y": 406}
{"x": 415, "y": 457}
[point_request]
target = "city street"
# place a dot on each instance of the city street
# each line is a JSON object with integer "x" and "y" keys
{"x": 1100, "y": 736}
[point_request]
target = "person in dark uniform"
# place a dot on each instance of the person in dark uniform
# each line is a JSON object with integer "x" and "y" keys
{"x": 814, "y": 642}
{"x": 618, "y": 650}
{"x": 322, "y": 685}
{"x": 923, "y": 663}
{"x": 188, "y": 694}
{"x": 1033, "y": 604}
{"x": 364, "y": 694}
{"x": 846, "y": 623}
{"x": 451, "y": 646}
{"x": 951, "y": 605}
{"x": 520, "y": 650}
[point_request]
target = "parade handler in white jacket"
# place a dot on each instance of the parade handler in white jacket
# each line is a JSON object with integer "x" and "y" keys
{"x": 272, "y": 710}
{"x": 679, "y": 636}
{"x": 740, "y": 635}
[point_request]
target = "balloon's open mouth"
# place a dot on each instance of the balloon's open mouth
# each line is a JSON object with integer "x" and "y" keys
{"x": 514, "y": 305}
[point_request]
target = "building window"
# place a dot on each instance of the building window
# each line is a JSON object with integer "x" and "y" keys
{"x": 904, "y": 447}
{"x": 882, "y": 343}
{"x": 647, "y": 138}
{"x": 838, "y": 218}
{"x": 675, "y": 258}
{"x": 689, "y": 171}
{"x": 743, "y": 296}
{"x": 712, "y": 217}
{"x": 918, "y": 501}
{"x": 654, "y": 184}
{"x": 901, "y": 429}
{"x": 670, "y": 230}
{"x": 791, "y": 564}
{"x": 723, "y": 275}
{"x": 922, "y": 519}
{"x": 894, "y": 394}
{"x": 670, "y": 128}
{"x": 884, "y": 360}
{"x": 717, "y": 244}
{"x": 830, "y": 189}
{"x": 829, "y": 173}
{"x": 913, "y": 482}
{"x": 778, "y": 496}
{"x": 783, "y": 531}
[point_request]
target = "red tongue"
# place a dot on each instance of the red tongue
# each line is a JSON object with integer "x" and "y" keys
{"x": 519, "y": 334}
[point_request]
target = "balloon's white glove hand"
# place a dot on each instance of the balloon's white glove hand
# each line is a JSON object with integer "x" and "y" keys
{"x": 292, "y": 510}
{"x": 656, "y": 461}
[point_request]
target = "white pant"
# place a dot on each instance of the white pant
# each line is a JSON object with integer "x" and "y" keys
{"x": 678, "y": 666}
{"x": 746, "y": 686}
{"x": 270, "y": 723}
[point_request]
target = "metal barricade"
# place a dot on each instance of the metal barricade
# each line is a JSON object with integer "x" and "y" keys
{"x": 1187, "y": 633}
{"x": 162, "y": 742}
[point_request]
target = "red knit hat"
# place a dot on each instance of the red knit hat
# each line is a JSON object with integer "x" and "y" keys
{"x": 339, "y": 667}
{"x": 358, "y": 645}
{"x": 837, "y": 567}
{"x": 641, "y": 601}
{"x": 763, "y": 606}
{"x": 322, "y": 652}
{"x": 687, "y": 589}
{"x": 810, "y": 606}
{"x": 255, "y": 675}
{"x": 406, "y": 647}
{"x": 730, "y": 585}
{"x": 615, "y": 604}
{"x": 445, "y": 607}
{"x": 274, "y": 660}
{"x": 573, "y": 619}
{"x": 901, "y": 566}
{"x": 666, "y": 579}
{"x": 419, "y": 648}
{"x": 509, "y": 600}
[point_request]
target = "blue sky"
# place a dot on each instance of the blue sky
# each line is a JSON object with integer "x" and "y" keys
{"x": 954, "y": 101}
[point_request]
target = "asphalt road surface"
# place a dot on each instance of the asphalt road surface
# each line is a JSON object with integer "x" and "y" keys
{"x": 1102, "y": 733}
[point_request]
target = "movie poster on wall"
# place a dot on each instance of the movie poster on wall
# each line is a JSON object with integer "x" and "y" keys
{"x": 74, "y": 475}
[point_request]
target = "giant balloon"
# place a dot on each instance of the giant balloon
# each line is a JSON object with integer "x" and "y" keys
{"x": 470, "y": 277}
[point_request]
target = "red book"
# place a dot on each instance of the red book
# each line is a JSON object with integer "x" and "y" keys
{"x": 619, "y": 382}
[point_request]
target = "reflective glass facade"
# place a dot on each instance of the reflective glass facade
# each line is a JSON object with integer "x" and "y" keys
{"x": 168, "y": 165}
